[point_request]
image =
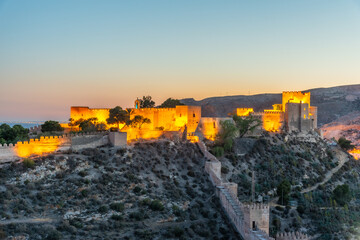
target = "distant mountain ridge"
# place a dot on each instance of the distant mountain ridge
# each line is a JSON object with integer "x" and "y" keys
{"x": 332, "y": 102}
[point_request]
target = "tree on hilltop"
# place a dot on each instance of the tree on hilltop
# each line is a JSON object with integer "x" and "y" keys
{"x": 138, "y": 121}
{"x": 283, "y": 190}
{"x": 342, "y": 194}
{"x": 146, "y": 102}
{"x": 51, "y": 126}
{"x": 345, "y": 144}
{"x": 246, "y": 124}
{"x": 117, "y": 115}
{"x": 13, "y": 134}
{"x": 87, "y": 125}
{"x": 224, "y": 138}
{"x": 171, "y": 103}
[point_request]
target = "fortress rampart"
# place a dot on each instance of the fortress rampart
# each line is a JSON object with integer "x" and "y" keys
{"x": 48, "y": 144}
{"x": 244, "y": 111}
{"x": 250, "y": 220}
{"x": 161, "y": 120}
{"x": 239, "y": 214}
{"x": 293, "y": 114}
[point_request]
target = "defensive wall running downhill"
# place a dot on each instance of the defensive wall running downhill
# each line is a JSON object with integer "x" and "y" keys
{"x": 48, "y": 144}
{"x": 251, "y": 221}
{"x": 240, "y": 215}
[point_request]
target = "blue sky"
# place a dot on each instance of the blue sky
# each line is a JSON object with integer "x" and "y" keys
{"x": 54, "y": 54}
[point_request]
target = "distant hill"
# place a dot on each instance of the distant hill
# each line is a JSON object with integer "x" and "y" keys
{"x": 332, "y": 102}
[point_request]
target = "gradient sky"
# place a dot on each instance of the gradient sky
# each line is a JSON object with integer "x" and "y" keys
{"x": 54, "y": 54}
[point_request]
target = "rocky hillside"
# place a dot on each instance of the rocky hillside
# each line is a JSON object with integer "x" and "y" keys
{"x": 347, "y": 126}
{"x": 313, "y": 169}
{"x": 153, "y": 190}
{"x": 332, "y": 102}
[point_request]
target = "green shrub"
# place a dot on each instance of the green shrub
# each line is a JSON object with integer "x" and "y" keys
{"x": 84, "y": 193}
{"x": 138, "y": 216}
{"x": 156, "y": 205}
{"x": 345, "y": 144}
{"x": 82, "y": 173}
{"x": 224, "y": 170}
{"x": 178, "y": 232}
{"x": 119, "y": 207}
{"x": 117, "y": 217}
{"x": 53, "y": 235}
{"x": 76, "y": 222}
{"x": 137, "y": 189}
{"x": 342, "y": 194}
{"x": 228, "y": 144}
{"x": 28, "y": 163}
{"x": 146, "y": 201}
{"x": 218, "y": 151}
{"x": 103, "y": 209}
{"x": 300, "y": 209}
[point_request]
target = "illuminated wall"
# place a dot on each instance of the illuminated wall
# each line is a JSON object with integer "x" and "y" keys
{"x": 209, "y": 127}
{"x": 164, "y": 119}
{"x": 244, "y": 111}
{"x": 101, "y": 114}
{"x": 38, "y": 146}
{"x": 295, "y": 97}
{"x": 50, "y": 144}
{"x": 134, "y": 134}
{"x": 273, "y": 120}
{"x": 295, "y": 113}
{"x": 355, "y": 153}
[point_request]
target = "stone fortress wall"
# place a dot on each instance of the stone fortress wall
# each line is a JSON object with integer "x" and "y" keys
{"x": 250, "y": 220}
{"x": 43, "y": 145}
{"x": 242, "y": 216}
{"x": 161, "y": 120}
{"x": 294, "y": 114}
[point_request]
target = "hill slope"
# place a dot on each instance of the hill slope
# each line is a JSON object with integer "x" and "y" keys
{"x": 313, "y": 168}
{"x": 154, "y": 190}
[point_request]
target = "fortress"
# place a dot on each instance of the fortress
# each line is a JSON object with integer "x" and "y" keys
{"x": 293, "y": 114}
{"x": 250, "y": 220}
{"x": 161, "y": 120}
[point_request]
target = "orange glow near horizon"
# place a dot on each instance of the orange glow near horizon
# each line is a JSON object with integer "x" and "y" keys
{"x": 355, "y": 153}
{"x": 37, "y": 147}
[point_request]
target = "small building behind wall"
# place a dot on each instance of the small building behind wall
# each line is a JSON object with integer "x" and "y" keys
{"x": 209, "y": 127}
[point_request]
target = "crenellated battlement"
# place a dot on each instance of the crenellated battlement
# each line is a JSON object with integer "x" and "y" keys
{"x": 35, "y": 129}
{"x": 244, "y": 111}
{"x": 42, "y": 138}
{"x": 295, "y": 92}
{"x": 273, "y": 112}
{"x": 257, "y": 206}
{"x": 292, "y": 236}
